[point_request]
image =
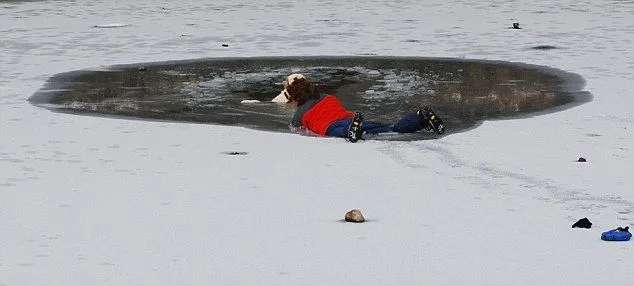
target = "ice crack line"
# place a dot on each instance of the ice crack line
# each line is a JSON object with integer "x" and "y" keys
{"x": 484, "y": 174}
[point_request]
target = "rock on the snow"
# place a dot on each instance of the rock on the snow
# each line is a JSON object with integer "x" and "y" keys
{"x": 354, "y": 216}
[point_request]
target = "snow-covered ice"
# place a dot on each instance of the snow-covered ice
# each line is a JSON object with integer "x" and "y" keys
{"x": 104, "y": 201}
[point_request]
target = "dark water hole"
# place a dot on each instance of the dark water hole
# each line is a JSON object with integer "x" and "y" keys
{"x": 463, "y": 92}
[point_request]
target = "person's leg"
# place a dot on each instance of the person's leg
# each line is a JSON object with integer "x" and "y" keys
{"x": 409, "y": 124}
{"x": 376, "y": 127}
{"x": 339, "y": 128}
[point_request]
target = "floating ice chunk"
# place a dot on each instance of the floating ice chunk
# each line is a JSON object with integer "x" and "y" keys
{"x": 113, "y": 25}
{"x": 249, "y": 101}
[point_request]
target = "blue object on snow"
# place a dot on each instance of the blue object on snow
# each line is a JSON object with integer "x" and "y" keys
{"x": 618, "y": 234}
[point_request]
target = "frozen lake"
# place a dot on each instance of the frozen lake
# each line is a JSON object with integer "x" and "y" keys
{"x": 103, "y": 200}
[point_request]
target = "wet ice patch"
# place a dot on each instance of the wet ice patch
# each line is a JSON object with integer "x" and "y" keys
{"x": 544, "y": 47}
{"x": 113, "y": 25}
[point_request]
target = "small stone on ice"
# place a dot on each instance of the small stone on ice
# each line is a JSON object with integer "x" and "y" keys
{"x": 354, "y": 216}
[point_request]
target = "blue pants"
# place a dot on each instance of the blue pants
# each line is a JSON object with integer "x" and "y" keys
{"x": 408, "y": 124}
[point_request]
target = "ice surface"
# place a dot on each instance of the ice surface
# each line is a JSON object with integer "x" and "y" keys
{"x": 105, "y": 201}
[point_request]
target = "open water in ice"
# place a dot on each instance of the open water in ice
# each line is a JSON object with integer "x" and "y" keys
{"x": 463, "y": 92}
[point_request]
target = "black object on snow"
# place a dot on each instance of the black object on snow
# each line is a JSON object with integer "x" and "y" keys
{"x": 583, "y": 223}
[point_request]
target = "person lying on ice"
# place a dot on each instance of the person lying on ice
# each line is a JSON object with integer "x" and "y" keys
{"x": 325, "y": 115}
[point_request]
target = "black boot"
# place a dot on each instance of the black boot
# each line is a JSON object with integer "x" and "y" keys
{"x": 355, "y": 131}
{"x": 430, "y": 120}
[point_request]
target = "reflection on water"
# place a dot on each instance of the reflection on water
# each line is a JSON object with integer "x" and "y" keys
{"x": 463, "y": 92}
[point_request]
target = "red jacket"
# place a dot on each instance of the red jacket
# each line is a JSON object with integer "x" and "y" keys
{"x": 317, "y": 115}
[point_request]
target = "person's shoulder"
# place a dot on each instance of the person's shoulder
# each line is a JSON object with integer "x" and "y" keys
{"x": 328, "y": 96}
{"x": 317, "y": 99}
